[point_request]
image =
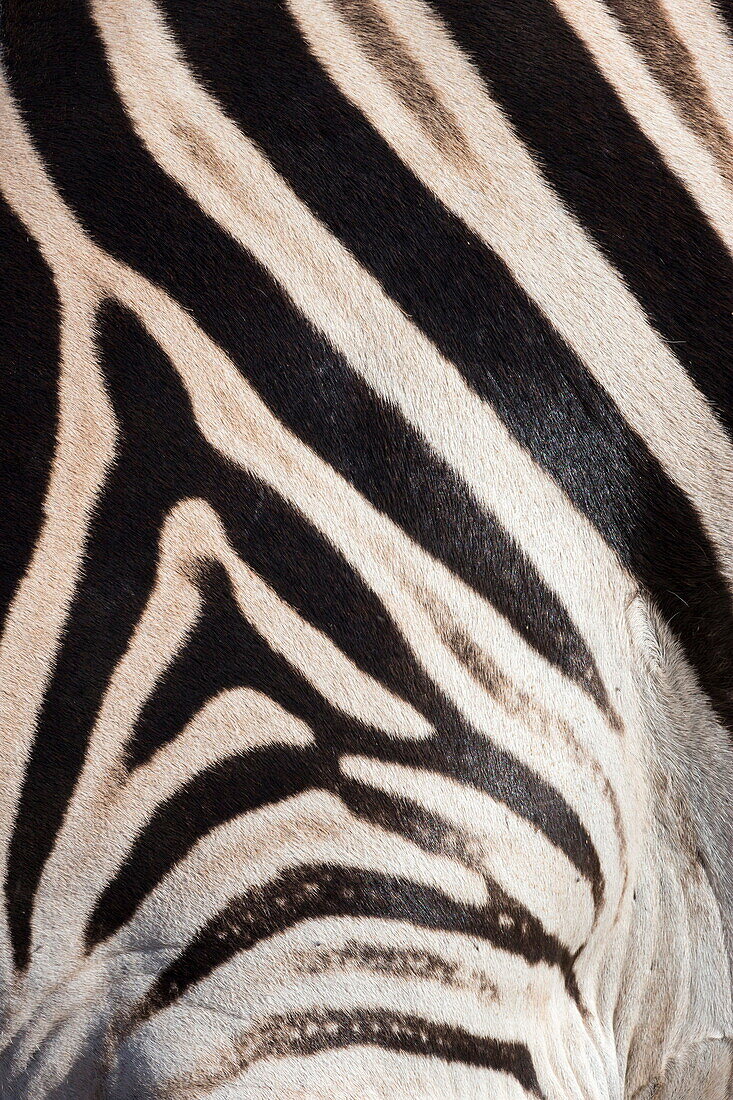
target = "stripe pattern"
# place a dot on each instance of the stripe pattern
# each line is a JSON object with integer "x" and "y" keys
{"x": 368, "y": 563}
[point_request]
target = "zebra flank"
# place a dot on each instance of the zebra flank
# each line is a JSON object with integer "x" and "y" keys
{"x": 366, "y": 665}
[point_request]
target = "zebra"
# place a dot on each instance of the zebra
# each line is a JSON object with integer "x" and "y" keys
{"x": 365, "y": 673}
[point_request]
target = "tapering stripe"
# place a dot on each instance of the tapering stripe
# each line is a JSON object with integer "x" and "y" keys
{"x": 408, "y": 79}
{"x": 118, "y": 567}
{"x": 611, "y": 176}
{"x": 29, "y": 367}
{"x": 464, "y": 298}
{"x": 214, "y": 796}
{"x": 153, "y": 225}
{"x": 337, "y": 703}
{"x": 312, "y": 1031}
{"x": 431, "y": 832}
{"x": 461, "y": 755}
{"x": 224, "y": 650}
{"x": 322, "y": 891}
{"x": 674, "y": 66}
{"x": 700, "y": 25}
{"x": 324, "y": 1030}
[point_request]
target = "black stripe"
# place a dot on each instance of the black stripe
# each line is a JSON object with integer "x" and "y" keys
{"x": 611, "y": 176}
{"x": 225, "y": 653}
{"x": 158, "y": 461}
{"x": 317, "y": 892}
{"x": 460, "y": 754}
{"x": 454, "y": 287}
{"x": 334, "y": 1029}
{"x": 315, "y": 1030}
{"x": 141, "y": 216}
{"x": 463, "y": 296}
{"x": 431, "y": 832}
{"x": 328, "y": 1029}
{"x": 236, "y": 785}
{"x": 725, "y": 9}
{"x": 29, "y": 366}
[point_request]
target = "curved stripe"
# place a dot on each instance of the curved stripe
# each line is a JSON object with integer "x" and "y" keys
{"x": 224, "y": 651}
{"x": 458, "y": 822}
{"x": 474, "y": 761}
{"x": 410, "y": 963}
{"x": 219, "y": 793}
{"x": 310, "y": 1032}
{"x": 120, "y": 570}
{"x": 434, "y": 834}
{"x": 145, "y": 219}
{"x": 464, "y": 298}
{"x": 324, "y": 891}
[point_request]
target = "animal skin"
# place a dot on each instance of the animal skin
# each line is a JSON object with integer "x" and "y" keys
{"x": 366, "y": 553}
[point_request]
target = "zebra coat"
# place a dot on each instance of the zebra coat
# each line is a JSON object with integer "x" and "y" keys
{"x": 365, "y": 681}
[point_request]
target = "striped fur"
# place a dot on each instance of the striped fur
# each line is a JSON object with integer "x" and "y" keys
{"x": 365, "y": 681}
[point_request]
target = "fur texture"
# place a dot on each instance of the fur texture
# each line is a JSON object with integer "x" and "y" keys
{"x": 367, "y": 559}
